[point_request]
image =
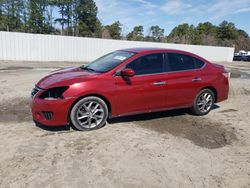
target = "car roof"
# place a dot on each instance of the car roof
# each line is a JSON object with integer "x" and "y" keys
{"x": 160, "y": 50}
{"x": 153, "y": 49}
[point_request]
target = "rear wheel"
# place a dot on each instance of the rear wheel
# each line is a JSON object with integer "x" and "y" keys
{"x": 203, "y": 103}
{"x": 89, "y": 113}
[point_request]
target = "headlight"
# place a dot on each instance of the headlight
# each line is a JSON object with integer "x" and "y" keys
{"x": 53, "y": 93}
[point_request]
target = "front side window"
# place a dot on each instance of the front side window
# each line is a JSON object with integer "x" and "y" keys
{"x": 109, "y": 61}
{"x": 148, "y": 64}
{"x": 179, "y": 62}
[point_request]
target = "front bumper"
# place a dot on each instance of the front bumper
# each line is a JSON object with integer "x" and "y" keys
{"x": 51, "y": 112}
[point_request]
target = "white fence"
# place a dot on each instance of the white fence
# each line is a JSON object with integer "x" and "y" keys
{"x": 36, "y": 47}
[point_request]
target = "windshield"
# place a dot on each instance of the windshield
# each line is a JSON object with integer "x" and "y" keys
{"x": 108, "y": 62}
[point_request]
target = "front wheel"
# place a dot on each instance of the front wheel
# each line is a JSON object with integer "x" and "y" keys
{"x": 89, "y": 113}
{"x": 203, "y": 102}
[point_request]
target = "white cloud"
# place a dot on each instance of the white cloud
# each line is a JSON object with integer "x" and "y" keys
{"x": 175, "y": 7}
{"x": 242, "y": 10}
{"x": 146, "y": 4}
{"x": 209, "y": 9}
{"x": 226, "y": 7}
{"x": 126, "y": 12}
{"x": 173, "y": 12}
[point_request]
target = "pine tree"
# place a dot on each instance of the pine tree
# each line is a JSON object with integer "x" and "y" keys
{"x": 11, "y": 15}
{"x": 115, "y": 30}
{"x": 85, "y": 19}
{"x": 1, "y": 16}
{"x": 38, "y": 17}
{"x": 35, "y": 17}
{"x": 66, "y": 15}
{"x": 156, "y": 34}
{"x": 136, "y": 34}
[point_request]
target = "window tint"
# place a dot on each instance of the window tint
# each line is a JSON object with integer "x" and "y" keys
{"x": 178, "y": 62}
{"x": 109, "y": 61}
{"x": 198, "y": 63}
{"x": 147, "y": 64}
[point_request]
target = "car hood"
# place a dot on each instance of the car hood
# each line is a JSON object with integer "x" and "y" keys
{"x": 65, "y": 77}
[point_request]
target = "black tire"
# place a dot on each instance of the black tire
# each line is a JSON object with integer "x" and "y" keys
{"x": 196, "y": 109}
{"x": 80, "y": 109}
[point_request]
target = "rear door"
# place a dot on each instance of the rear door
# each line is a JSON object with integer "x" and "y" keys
{"x": 183, "y": 81}
{"x": 146, "y": 90}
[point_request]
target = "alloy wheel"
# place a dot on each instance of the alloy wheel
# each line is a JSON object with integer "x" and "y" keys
{"x": 90, "y": 114}
{"x": 205, "y": 102}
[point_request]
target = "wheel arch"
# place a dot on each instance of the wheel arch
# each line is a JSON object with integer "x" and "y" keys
{"x": 213, "y": 90}
{"x": 91, "y": 95}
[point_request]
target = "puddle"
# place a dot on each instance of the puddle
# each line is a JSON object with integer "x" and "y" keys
{"x": 199, "y": 130}
{"x": 15, "y": 110}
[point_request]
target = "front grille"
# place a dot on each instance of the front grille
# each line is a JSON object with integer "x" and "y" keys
{"x": 34, "y": 91}
{"x": 48, "y": 115}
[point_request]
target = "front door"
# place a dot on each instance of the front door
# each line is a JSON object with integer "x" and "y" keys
{"x": 146, "y": 90}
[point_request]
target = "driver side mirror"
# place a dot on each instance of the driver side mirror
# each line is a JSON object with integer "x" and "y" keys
{"x": 127, "y": 72}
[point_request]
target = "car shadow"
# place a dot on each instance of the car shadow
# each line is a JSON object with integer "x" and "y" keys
{"x": 154, "y": 115}
{"x": 131, "y": 118}
{"x": 52, "y": 129}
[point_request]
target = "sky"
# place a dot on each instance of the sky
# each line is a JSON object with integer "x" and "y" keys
{"x": 170, "y": 13}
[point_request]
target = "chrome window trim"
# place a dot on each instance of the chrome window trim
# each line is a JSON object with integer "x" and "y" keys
{"x": 166, "y": 72}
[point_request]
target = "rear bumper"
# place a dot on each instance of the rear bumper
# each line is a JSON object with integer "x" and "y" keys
{"x": 223, "y": 90}
{"x": 51, "y": 112}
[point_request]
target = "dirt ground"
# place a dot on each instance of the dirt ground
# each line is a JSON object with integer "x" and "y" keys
{"x": 167, "y": 149}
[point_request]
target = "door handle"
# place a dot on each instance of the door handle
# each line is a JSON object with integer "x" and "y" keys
{"x": 196, "y": 79}
{"x": 159, "y": 83}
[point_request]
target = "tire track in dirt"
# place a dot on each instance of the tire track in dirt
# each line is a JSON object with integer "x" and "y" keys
{"x": 201, "y": 131}
{"x": 15, "y": 110}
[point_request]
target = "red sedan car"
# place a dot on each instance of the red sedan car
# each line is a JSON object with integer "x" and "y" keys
{"x": 126, "y": 82}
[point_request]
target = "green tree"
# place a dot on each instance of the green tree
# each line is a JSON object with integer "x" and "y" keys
{"x": 242, "y": 33}
{"x": 156, "y": 34}
{"x": 227, "y": 31}
{"x": 85, "y": 19}
{"x": 1, "y": 16}
{"x": 180, "y": 30}
{"x": 38, "y": 21}
{"x": 206, "y": 33}
{"x": 69, "y": 16}
{"x": 114, "y": 30}
{"x": 181, "y": 34}
{"x": 206, "y": 28}
{"x": 66, "y": 14}
{"x": 25, "y": 15}
{"x": 11, "y": 15}
{"x": 62, "y": 10}
{"x": 136, "y": 34}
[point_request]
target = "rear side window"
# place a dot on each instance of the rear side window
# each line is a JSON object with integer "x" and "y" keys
{"x": 198, "y": 63}
{"x": 148, "y": 64}
{"x": 179, "y": 62}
